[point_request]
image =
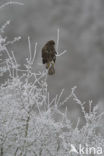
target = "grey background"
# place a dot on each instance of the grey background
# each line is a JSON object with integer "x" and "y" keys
{"x": 81, "y": 24}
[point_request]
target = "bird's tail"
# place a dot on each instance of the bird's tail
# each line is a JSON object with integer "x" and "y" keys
{"x": 51, "y": 69}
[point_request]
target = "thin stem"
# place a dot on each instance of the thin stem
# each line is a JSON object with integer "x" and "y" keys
{"x": 90, "y": 106}
{"x": 57, "y": 43}
{"x": 65, "y": 51}
{"x": 34, "y": 53}
{"x": 8, "y": 3}
{"x": 4, "y": 26}
{"x": 60, "y": 96}
{"x": 15, "y": 65}
{"x": 29, "y": 48}
{"x": 13, "y": 41}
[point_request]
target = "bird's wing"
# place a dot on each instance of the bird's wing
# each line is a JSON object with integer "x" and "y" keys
{"x": 44, "y": 52}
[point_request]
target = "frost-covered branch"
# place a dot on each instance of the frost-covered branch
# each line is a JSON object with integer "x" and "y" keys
{"x": 57, "y": 44}
{"x": 35, "y": 49}
{"x": 4, "y": 26}
{"x": 12, "y": 42}
{"x": 9, "y": 3}
{"x": 31, "y": 59}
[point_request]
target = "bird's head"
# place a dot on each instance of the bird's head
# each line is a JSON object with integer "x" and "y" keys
{"x": 51, "y": 43}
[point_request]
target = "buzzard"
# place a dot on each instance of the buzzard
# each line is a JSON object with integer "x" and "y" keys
{"x": 49, "y": 56}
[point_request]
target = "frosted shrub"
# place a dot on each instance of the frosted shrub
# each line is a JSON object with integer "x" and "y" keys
{"x": 27, "y": 123}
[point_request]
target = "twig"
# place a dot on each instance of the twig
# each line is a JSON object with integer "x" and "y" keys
{"x": 65, "y": 51}
{"x": 4, "y": 26}
{"x": 57, "y": 43}
{"x": 12, "y": 42}
{"x": 58, "y": 100}
{"x": 34, "y": 53}
{"x": 29, "y": 48}
{"x": 11, "y": 2}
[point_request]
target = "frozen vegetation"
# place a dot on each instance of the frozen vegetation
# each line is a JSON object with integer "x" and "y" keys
{"x": 27, "y": 123}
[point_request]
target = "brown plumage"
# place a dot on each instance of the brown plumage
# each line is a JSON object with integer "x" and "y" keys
{"x": 49, "y": 56}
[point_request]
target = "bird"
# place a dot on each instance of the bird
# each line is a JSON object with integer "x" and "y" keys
{"x": 49, "y": 56}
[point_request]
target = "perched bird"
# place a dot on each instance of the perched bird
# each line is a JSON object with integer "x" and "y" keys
{"x": 49, "y": 56}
